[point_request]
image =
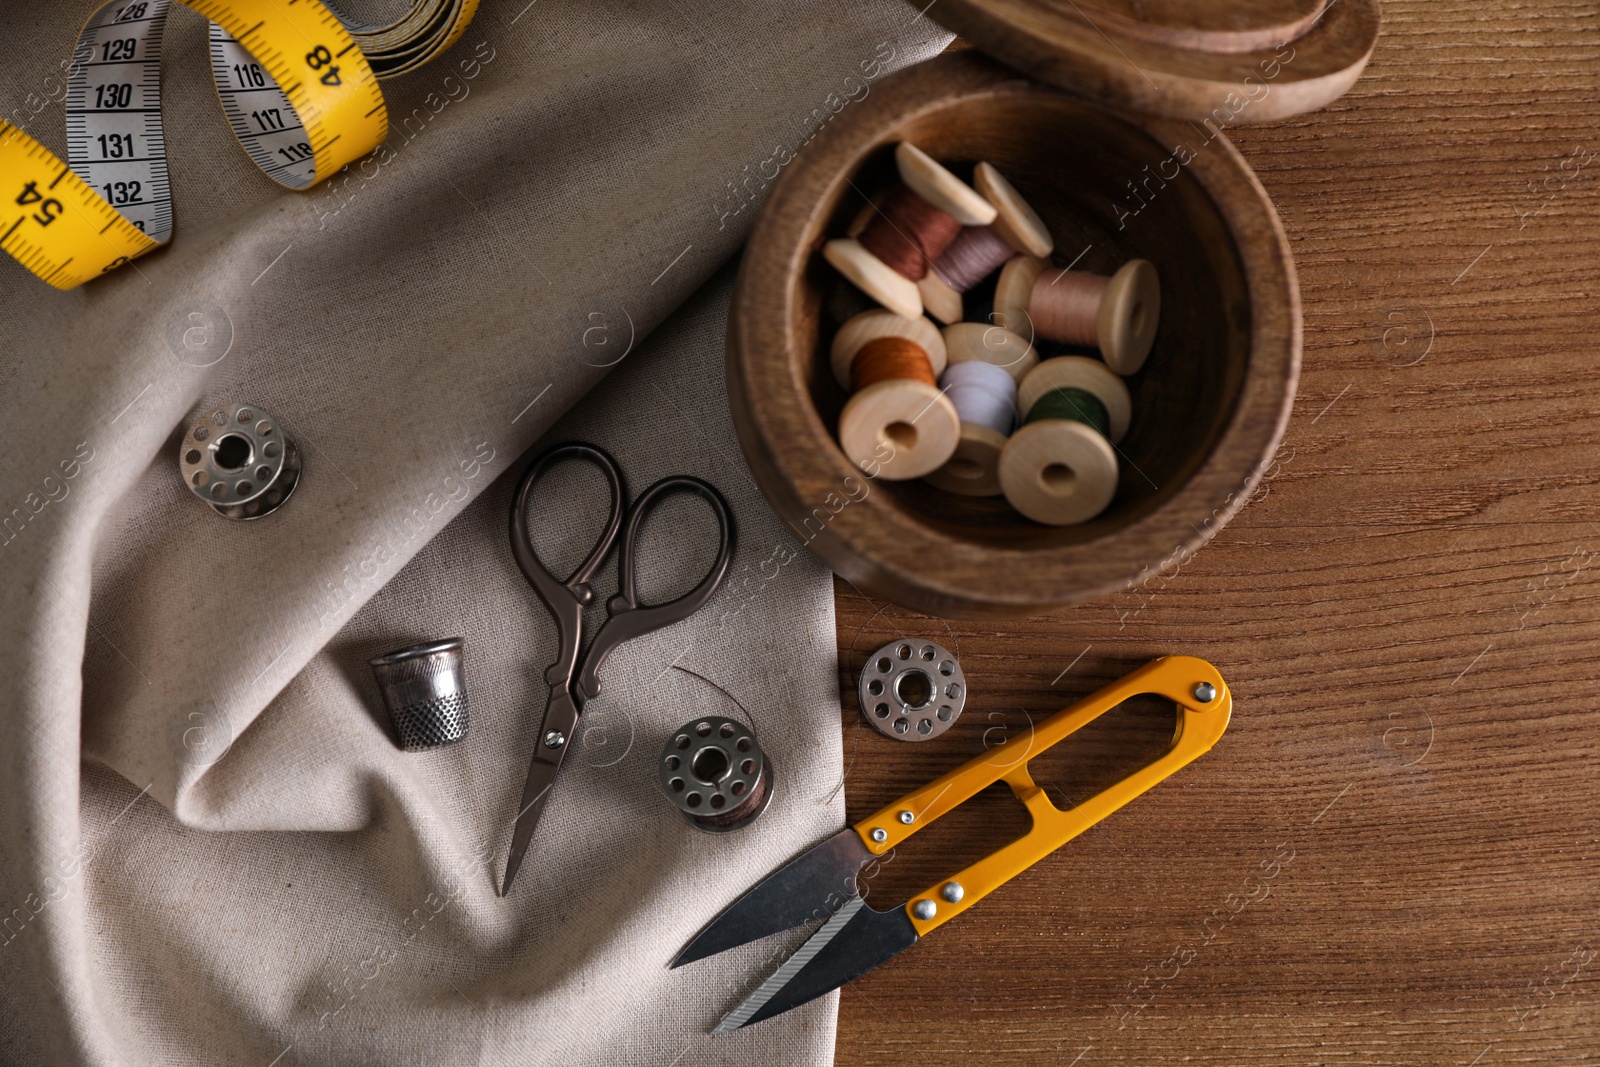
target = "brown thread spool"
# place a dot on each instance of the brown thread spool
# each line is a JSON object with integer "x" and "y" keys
{"x": 897, "y": 423}
{"x": 907, "y": 233}
{"x": 1118, "y": 314}
{"x": 858, "y": 329}
{"x": 884, "y": 358}
{"x": 1066, "y": 304}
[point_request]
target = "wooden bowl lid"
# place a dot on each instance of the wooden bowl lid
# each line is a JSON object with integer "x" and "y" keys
{"x": 1230, "y": 61}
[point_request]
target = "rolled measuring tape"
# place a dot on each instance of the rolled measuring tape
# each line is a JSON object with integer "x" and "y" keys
{"x": 298, "y": 85}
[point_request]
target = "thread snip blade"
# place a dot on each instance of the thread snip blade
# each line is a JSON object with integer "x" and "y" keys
{"x": 852, "y": 942}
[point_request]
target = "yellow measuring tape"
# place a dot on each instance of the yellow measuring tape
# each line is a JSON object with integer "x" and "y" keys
{"x": 299, "y": 87}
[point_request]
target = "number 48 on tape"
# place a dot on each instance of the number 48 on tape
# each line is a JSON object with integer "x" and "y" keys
{"x": 296, "y": 83}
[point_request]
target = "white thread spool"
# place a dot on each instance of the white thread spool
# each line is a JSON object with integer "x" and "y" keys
{"x": 991, "y": 344}
{"x": 984, "y": 396}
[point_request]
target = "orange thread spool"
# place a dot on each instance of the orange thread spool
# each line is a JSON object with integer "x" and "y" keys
{"x": 907, "y": 233}
{"x": 886, "y": 358}
{"x": 1065, "y": 306}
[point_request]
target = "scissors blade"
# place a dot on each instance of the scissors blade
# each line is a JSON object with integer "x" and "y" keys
{"x": 847, "y": 946}
{"x": 560, "y": 716}
{"x": 809, "y": 887}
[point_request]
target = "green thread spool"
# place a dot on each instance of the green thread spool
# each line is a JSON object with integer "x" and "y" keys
{"x": 1073, "y": 405}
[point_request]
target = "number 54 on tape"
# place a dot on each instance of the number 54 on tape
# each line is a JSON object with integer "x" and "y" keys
{"x": 297, "y": 89}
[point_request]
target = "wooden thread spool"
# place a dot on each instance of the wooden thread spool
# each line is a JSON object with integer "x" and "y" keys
{"x": 1013, "y": 292}
{"x": 938, "y": 299}
{"x": 908, "y": 234}
{"x": 897, "y": 423}
{"x": 932, "y": 181}
{"x": 974, "y": 255}
{"x": 880, "y": 322}
{"x": 985, "y": 398}
{"x": 1118, "y": 314}
{"x": 1060, "y": 468}
{"x": 991, "y": 344}
{"x": 873, "y": 277}
{"x": 1080, "y": 372}
{"x": 933, "y": 185}
{"x": 1014, "y": 221}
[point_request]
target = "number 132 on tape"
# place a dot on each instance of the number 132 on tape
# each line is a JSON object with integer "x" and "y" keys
{"x": 296, "y": 89}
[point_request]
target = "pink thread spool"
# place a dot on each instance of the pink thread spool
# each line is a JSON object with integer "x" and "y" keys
{"x": 1118, "y": 314}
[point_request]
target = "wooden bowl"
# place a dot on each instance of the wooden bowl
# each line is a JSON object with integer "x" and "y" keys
{"x": 1210, "y": 404}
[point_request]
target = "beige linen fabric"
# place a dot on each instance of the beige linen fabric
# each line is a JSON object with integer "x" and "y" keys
{"x": 210, "y": 852}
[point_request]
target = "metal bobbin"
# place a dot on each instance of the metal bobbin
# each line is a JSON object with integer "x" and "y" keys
{"x": 714, "y": 772}
{"x": 240, "y": 462}
{"x": 912, "y": 690}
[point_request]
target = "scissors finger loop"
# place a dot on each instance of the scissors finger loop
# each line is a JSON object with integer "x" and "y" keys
{"x": 577, "y": 584}
{"x": 628, "y": 617}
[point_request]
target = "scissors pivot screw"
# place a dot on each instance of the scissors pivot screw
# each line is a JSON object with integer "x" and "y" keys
{"x": 953, "y": 892}
{"x": 880, "y": 835}
{"x": 907, "y": 817}
{"x": 924, "y": 909}
{"x": 1205, "y": 692}
{"x": 555, "y": 739}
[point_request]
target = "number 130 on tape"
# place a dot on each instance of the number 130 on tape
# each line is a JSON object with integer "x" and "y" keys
{"x": 297, "y": 90}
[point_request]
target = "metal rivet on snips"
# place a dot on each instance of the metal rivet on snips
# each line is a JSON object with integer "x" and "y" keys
{"x": 425, "y": 689}
{"x": 238, "y": 460}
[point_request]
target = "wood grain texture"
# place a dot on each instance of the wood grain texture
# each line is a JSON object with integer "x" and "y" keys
{"x": 1212, "y": 400}
{"x": 1168, "y": 57}
{"x": 1408, "y": 612}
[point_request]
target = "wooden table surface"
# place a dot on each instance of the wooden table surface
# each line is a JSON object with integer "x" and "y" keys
{"x": 1390, "y": 858}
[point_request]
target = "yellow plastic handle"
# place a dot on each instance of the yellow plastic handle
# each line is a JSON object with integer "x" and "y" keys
{"x": 1181, "y": 679}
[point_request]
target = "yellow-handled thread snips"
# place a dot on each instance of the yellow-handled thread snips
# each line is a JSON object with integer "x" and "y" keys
{"x": 823, "y": 881}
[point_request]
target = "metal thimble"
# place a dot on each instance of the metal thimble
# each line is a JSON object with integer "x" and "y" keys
{"x": 425, "y": 689}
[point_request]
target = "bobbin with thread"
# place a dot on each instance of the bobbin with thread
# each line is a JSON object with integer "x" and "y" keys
{"x": 979, "y": 251}
{"x": 985, "y": 399}
{"x": 897, "y": 424}
{"x": 873, "y": 277}
{"x": 1118, "y": 315}
{"x": 880, "y": 322}
{"x": 997, "y": 345}
{"x": 713, "y": 771}
{"x": 1015, "y": 220}
{"x": 907, "y": 234}
{"x": 976, "y": 253}
{"x": 894, "y": 240}
{"x": 1059, "y": 468}
{"x": 1080, "y": 372}
{"x": 934, "y": 182}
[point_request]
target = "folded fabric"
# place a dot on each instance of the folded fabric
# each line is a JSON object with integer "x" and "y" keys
{"x": 255, "y": 875}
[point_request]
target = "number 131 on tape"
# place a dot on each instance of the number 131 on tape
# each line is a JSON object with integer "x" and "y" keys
{"x": 297, "y": 90}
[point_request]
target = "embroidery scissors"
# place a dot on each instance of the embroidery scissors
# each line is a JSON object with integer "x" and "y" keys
{"x": 574, "y": 679}
{"x": 822, "y": 883}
